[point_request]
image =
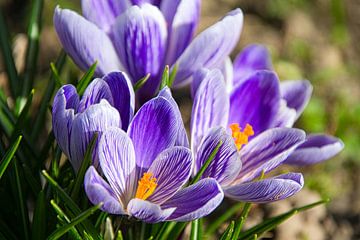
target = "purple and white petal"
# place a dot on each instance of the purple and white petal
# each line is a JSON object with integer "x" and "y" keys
{"x": 226, "y": 165}
{"x": 285, "y": 117}
{"x": 297, "y": 94}
{"x": 97, "y": 90}
{"x": 153, "y": 129}
{"x": 182, "y": 139}
{"x": 148, "y": 211}
{"x": 97, "y": 118}
{"x": 195, "y": 201}
{"x": 85, "y": 42}
{"x": 219, "y": 39}
{"x": 181, "y": 27}
{"x": 228, "y": 71}
{"x": 99, "y": 191}
{"x": 267, "y": 151}
{"x": 256, "y": 101}
{"x": 63, "y": 113}
{"x": 210, "y": 107}
{"x": 267, "y": 190}
{"x": 117, "y": 161}
{"x": 172, "y": 169}
{"x": 316, "y": 148}
{"x": 103, "y": 13}
{"x": 123, "y": 96}
{"x": 253, "y": 57}
{"x": 139, "y": 36}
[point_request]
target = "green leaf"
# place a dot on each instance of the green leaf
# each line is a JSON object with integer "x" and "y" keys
{"x": 228, "y": 232}
{"x": 46, "y": 98}
{"x": 119, "y": 236}
{"x": 71, "y": 204}
{"x": 102, "y": 217}
{"x": 21, "y": 201}
{"x": 223, "y": 218}
{"x": 64, "y": 229}
{"x": 7, "y": 56}
{"x": 32, "y": 53}
{"x": 271, "y": 223}
{"x": 86, "y": 79}
{"x": 172, "y": 75}
{"x": 9, "y": 155}
{"x": 38, "y": 227}
{"x": 239, "y": 224}
{"x": 206, "y": 164}
{"x": 139, "y": 84}
{"x": 65, "y": 218}
{"x": 84, "y": 166}
{"x": 165, "y": 77}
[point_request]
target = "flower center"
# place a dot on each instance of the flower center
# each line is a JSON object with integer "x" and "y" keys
{"x": 241, "y": 137}
{"x": 146, "y": 186}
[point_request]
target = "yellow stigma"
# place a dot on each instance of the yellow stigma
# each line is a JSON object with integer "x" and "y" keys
{"x": 241, "y": 137}
{"x": 146, "y": 186}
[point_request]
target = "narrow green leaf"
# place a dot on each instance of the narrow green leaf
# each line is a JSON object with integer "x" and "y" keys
{"x": 165, "y": 77}
{"x": 34, "y": 184}
{"x": 228, "y": 232}
{"x": 9, "y": 62}
{"x": 86, "y": 79}
{"x": 70, "y": 203}
{"x": 206, "y": 164}
{"x": 172, "y": 75}
{"x": 21, "y": 201}
{"x": 270, "y": 224}
{"x": 6, "y": 231}
{"x": 165, "y": 230}
{"x": 64, "y": 229}
{"x": 46, "y": 98}
{"x": 63, "y": 216}
{"x": 84, "y": 166}
{"x": 109, "y": 230}
{"x": 102, "y": 217}
{"x": 139, "y": 84}
{"x": 223, "y": 218}
{"x": 239, "y": 224}
{"x": 24, "y": 113}
{"x": 38, "y": 227}
{"x": 34, "y": 30}
{"x": 9, "y": 155}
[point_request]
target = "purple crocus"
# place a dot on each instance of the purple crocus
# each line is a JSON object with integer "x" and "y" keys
{"x": 244, "y": 155}
{"x": 145, "y": 173}
{"x": 106, "y": 102}
{"x": 143, "y": 38}
{"x": 280, "y": 104}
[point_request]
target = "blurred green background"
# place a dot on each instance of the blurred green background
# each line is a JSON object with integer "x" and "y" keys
{"x": 316, "y": 40}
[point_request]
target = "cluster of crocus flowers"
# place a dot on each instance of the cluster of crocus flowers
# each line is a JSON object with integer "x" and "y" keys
{"x": 141, "y": 37}
{"x": 143, "y": 161}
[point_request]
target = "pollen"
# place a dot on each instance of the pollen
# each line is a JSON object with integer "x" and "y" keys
{"x": 146, "y": 186}
{"x": 241, "y": 137}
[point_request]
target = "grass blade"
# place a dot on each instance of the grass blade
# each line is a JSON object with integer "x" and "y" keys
{"x": 86, "y": 79}
{"x": 84, "y": 166}
{"x": 32, "y": 53}
{"x": 45, "y": 100}
{"x": 271, "y": 223}
{"x": 8, "y": 57}
{"x": 239, "y": 224}
{"x": 63, "y": 216}
{"x": 84, "y": 215}
{"x": 196, "y": 229}
{"x": 228, "y": 232}
{"x": 9, "y": 155}
{"x": 38, "y": 228}
{"x": 165, "y": 77}
{"x": 139, "y": 84}
{"x": 223, "y": 218}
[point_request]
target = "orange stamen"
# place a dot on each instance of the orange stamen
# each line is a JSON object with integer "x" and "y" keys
{"x": 146, "y": 186}
{"x": 241, "y": 137}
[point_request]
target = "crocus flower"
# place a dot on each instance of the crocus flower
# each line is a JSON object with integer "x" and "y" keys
{"x": 106, "y": 102}
{"x": 145, "y": 173}
{"x": 244, "y": 154}
{"x": 280, "y": 104}
{"x": 143, "y": 38}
